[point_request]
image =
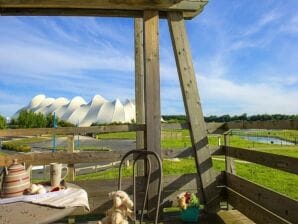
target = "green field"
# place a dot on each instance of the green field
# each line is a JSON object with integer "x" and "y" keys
{"x": 279, "y": 181}
{"x": 26, "y": 141}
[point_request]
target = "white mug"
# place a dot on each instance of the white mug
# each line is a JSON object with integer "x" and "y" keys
{"x": 56, "y": 174}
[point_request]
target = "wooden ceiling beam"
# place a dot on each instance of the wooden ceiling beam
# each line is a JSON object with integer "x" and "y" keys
{"x": 115, "y": 8}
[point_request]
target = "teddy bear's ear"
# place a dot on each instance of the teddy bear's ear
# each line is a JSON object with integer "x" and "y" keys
{"x": 111, "y": 194}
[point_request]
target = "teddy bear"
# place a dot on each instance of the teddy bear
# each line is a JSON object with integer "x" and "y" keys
{"x": 187, "y": 199}
{"x": 121, "y": 209}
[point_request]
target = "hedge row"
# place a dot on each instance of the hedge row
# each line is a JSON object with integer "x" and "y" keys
{"x": 17, "y": 148}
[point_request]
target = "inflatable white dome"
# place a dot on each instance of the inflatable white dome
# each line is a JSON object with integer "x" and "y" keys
{"x": 77, "y": 111}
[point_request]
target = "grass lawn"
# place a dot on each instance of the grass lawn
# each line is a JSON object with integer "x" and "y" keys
{"x": 118, "y": 135}
{"x": 25, "y": 141}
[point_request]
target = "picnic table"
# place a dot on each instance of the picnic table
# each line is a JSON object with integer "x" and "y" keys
{"x": 31, "y": 213}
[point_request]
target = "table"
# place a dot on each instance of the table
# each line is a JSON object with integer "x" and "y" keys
{"x": 28, "y": 213}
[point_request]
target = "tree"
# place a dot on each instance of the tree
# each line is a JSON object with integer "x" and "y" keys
{"x": 29, "y": 119}
{"x": 3, "y": 123}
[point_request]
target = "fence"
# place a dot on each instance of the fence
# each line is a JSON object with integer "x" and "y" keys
{"x": 259, "y": 203}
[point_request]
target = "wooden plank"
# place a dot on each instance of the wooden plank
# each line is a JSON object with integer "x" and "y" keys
{"x": 139, "y": 85}
{"x": 281, "y": 205}
{"x": 61, "y": 157}
{"x": 86, "y": 12}
{"x": 187, "y": 152}
{"x": 71, "y": 149}
{"x": 285, "y": 163}
{"x": 253, "y": 210}
{"x": 71, "y": 130}
{"x": 136, "y": 5}
{"x": 98, "y": 189}
{"x": 282, "y": 124}
{"x": 229, "y": 161}
{"x": 212, "y": 127}
{"x": 193, "y": 110}
{"x": 152, "y": 98}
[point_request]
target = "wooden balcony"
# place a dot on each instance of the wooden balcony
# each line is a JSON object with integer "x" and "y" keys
{"x": 256, "y": 202}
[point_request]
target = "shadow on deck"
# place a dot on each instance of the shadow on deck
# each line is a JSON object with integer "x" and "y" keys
{"x": 222, "y": 217}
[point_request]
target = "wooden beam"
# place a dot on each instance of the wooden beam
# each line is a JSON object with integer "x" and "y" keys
{"x": 280, "y": 162}
{"x": 282, "y": 124}
{"x": 85, "y": 12}
{"x": 212, "y": 127}
{"x": 139, "y": 85}
{"x": 62, "y": 157}
{"x": 71, "y": 149}
{"x": 188, "y": 83}
{"x": 229, "y": 161}
{"x": 184, "y": 153}
{"x": 139, "y": 80}
{"x": 280, "y": 205}
{"x": 71, "y": 130}
{"x": 152, "y": 98}
{"x": 253, "y": 210}
{"x": 190, "y": 6}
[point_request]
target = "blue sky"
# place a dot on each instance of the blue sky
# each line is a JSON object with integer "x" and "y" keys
{"x": 245, "y": 55}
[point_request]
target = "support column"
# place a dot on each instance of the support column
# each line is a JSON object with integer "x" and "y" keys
{"x": 152, "y": 98}
{"x": 70, "y": 148}
{"x": 229, "y": 161}
{"x": 207, "y": 181}
{"x": 139, "y": 86}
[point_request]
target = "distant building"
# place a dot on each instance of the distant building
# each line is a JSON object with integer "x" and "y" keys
{"x": 78, "y": 112}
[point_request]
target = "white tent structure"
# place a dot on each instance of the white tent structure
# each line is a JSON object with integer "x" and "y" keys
{"x": 77, "y": 111}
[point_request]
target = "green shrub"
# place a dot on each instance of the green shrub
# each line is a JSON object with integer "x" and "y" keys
{"x": 3, "y": 123}
{"x": 16, "y": 148}
{"x": 29, "y": 119}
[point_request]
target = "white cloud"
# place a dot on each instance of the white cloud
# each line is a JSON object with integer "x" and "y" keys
{"x": 291, "y": 26}
{"x": 264, "y": 21}
{"x": 251, "y": 98}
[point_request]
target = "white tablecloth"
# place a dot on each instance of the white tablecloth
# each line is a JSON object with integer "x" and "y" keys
{"x": 70, "y": 197}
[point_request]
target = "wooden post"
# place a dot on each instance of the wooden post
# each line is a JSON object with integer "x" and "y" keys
{"x": 152, "y": 98}
{"x": 207, "y": 181}
{"x": 229, "y": 161}
{"x": 71, "y": 169}
{"x": 70, "y": 148}
{"x": 139, "y": 86}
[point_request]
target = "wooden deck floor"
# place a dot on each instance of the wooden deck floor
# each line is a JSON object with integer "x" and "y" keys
{"x": 222, "y": 217}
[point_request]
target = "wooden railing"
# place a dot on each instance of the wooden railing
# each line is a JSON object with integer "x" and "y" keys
{"x": 259, "y": 203}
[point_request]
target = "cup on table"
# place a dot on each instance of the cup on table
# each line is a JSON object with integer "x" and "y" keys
{"x": 56, "y": 174}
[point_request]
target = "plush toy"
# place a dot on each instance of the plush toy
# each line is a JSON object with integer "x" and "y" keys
{"x": 121, "y": 209}
{"x": 36, "y": 189}
{"x": 187, "y": 199}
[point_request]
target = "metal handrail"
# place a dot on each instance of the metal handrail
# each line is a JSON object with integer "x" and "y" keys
{"x": 143, "y": 154}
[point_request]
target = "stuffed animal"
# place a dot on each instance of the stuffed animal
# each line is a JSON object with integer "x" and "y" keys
{"x": 36, "y": 189}
{"x": 187, "y": 199}
{"x": 121, "y": 209}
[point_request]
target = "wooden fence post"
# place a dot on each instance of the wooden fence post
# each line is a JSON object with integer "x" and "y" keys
{"x": 209, "y": 194}
{"x": 139, "y": 86}
{"x": 152, "y": 99}
{"x": 71, "y": 148}
{"x": 229, "y": 161}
